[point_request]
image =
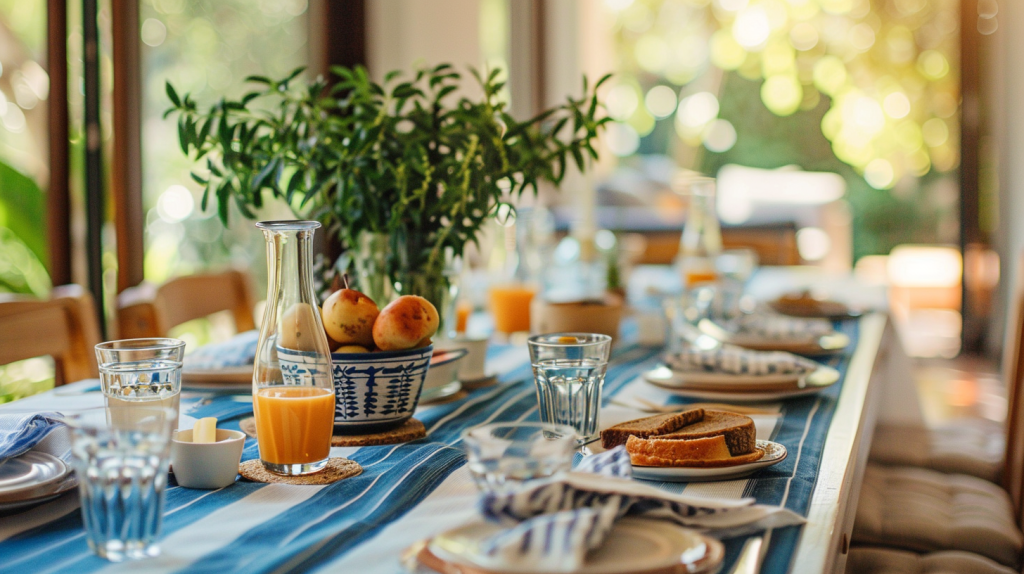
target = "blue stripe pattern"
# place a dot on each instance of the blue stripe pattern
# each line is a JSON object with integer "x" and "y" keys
{"x": 346, "y": 514}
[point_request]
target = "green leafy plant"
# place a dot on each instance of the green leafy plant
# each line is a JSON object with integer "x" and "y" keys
{"x": 409, "y": 157}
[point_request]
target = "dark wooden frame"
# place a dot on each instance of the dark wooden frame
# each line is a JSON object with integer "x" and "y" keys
{"x": 58, "y": 200}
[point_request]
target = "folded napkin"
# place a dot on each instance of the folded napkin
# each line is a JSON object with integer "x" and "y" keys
{"x": 21, "y": 432}
{"x": 553, "y": 522}
{"x": 737, "y": 361}
{"x": 237, "y": 351}
{"x": 776, "y": 326}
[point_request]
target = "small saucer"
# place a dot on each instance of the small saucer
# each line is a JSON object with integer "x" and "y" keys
{"x": 774, "y": 453}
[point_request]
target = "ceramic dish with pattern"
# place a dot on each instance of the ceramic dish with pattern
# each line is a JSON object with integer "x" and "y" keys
{"x": 774, "y": 453}
{"x": 634, "y": 546}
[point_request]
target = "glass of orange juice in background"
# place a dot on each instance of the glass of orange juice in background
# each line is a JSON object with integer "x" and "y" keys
{"x": 293, "y": 391}
{"x": 510, "y": 305}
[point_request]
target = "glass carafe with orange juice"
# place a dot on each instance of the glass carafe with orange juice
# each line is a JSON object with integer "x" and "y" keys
{"x": 701, "y": 241}
{"x": 293, "y": 392}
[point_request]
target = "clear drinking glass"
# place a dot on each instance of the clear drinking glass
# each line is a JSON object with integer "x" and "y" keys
{"x": 503, "y": 455}
{"x": 569, "y": 369}
{"x": 292, "y": 385}
{"x": 120, "y": 455}
{"x": 141, "y": 373}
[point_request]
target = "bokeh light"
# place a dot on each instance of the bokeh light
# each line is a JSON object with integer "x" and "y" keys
{"x": 885, "y": 71}
{"x": 175, "y": 204}
{"x": 622, "y": 139}
{"x": 661, "y": 101}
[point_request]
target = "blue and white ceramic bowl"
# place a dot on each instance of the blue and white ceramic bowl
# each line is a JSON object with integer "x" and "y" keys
{"x": 373, "y": 391}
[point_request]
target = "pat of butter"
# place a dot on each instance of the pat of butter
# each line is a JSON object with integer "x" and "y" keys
{"x": 205, "y": 430}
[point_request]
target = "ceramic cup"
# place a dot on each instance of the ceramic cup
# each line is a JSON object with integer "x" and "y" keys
{"x": 598, "y": 316}
{"x": 473, "y": 367}
{"x": 206, "y": 465}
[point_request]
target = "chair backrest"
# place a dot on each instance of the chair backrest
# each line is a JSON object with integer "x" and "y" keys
{"x": 1013, "y": 369}
{"x": 147, "y": 311}
{"x": 64, "y": 327}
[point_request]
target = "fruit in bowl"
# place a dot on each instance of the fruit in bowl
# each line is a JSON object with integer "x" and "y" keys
{"x": 349, "y": 317}
{"x": 406, "y": 323}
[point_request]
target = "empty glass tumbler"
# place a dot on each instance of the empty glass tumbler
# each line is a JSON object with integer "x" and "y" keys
{"x": 120, "y": 455}
{"x": 569, "y": 370}
{"x": 292, "y": 386}
{"x": 502, "y": 456}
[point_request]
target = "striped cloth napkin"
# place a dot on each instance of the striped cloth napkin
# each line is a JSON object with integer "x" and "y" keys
{"x": 22, "y": 432}
{"x": 553, "y": 522}
{"x": 237, "y": 351}
{"x": 775, "y": 326}
{"x": 737, "y": 361}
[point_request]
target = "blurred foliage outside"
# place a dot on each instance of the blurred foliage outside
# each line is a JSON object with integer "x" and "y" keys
{"x": 868, "y": 89}
{"x": 23, "y": 142}
{"x": 207, "y": 47}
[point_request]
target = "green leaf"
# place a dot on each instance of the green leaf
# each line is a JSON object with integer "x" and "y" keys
{"x": 197, "y": 179}
{"x": 172, "y": 94}
{"x": 257, "y": 182}
{"x": 259, "y": 80}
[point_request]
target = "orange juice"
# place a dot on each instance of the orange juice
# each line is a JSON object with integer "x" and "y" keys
{"x": 462, "y": 313}
{"x": 510, "y": 305}
{"x": 294, "y": 424}
{"x": 700, "y": 276}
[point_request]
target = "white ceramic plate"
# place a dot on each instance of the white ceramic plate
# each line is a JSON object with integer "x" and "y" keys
{"x": 29, "y": 475}
{"x": 774, "y": 454}
{"x": 737, "y": 385}
{"x": 635, "y": 545}
{"x": 801, "y": 345}
{"x": 744, "y": 397}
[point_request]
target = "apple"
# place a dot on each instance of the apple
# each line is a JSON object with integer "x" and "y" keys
{"x": 405, "y": 323}
{"x": 349, "y": 316}
{"x": 299, "y": 328}
{"x": 351, "y": 349}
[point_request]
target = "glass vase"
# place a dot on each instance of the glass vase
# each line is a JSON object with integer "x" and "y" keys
{"x": 440, "y": 286}
{"x": 371, "y": 266}
{"x": 293, "y": 392}
{"x": 701, "y": 241}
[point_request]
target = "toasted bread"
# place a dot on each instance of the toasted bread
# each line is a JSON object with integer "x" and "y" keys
{"x": 707, "y": 452}
{"x": 738, "y": 430}
{"x": 655, "y": 425}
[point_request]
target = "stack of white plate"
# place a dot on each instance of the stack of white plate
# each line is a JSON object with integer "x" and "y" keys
{"x": 33, "y": 478}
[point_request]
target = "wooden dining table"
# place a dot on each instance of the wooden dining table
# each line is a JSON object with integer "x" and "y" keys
{"x": 410, "y": 492}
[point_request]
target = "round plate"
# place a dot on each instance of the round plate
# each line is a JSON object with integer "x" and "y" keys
{"x": 438, "y": 393}
{"x": 29, "y": 475}
{"x": 635, "y": 545}
{"x": 741, "y": 397}
{"x": 226, "y": 379}
{"x": 740, "y": 386}
{"x": 774, "y": 453}
{"x": 801, "y": 345}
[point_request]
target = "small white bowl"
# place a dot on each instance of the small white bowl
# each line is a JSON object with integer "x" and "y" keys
{"x": 206, "y": 465}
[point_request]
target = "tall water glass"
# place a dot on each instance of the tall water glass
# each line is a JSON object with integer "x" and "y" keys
{"x": 141, "y": 373}
{"x": 120, "y": 455}
{"x": 501, "y": 456}
{"x": 568, "y": 370}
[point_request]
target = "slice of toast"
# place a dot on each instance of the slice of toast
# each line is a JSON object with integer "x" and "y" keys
{"x": 612, "y": 437}
{"x": 738, "y": 430}
{"x": 707, "y": 452}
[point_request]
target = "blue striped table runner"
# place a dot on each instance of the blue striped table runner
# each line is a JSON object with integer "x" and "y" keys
{"x": 269, "y": 528}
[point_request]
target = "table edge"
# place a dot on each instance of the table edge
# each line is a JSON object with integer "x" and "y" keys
{"x": 840, "y": 468}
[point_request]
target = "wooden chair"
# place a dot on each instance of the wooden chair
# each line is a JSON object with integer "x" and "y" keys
{"x": 64, "y": 327}
{"x": 924, "y": 509}
{"x": 148, "y": 311}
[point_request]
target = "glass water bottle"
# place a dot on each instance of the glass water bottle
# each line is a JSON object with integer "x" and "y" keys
{"x": 293, "y": 392}
{"x": 701, "y": 241}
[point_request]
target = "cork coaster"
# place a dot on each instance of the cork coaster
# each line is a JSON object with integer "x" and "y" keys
{"x": 336, "y": 469}
{"x": 248, "y": 426}
{"x": 411, "y": 429}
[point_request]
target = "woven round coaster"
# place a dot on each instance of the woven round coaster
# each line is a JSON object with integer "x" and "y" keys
{"x": 336, "y": 469}
{"x": 411, "y": 429}
{"x": 248, "y": 426}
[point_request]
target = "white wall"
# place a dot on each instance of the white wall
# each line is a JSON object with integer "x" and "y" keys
{"x": 404, "y": 33}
